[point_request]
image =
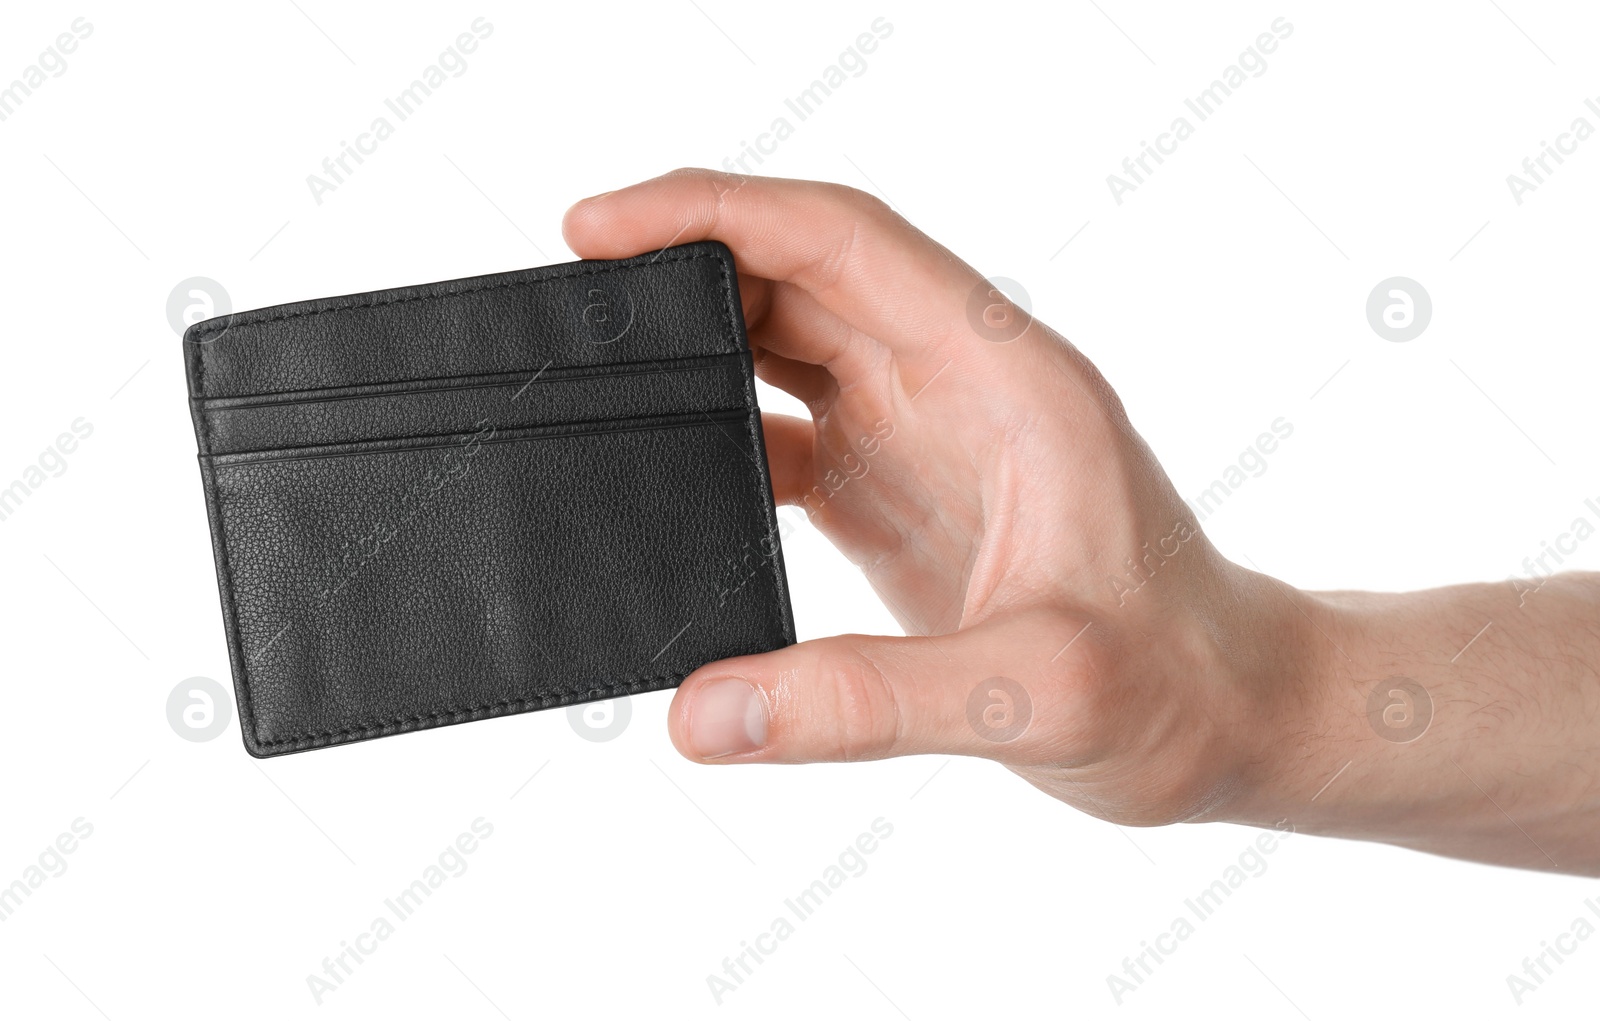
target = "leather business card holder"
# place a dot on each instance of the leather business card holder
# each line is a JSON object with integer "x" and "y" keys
{"x": 444, "y": 503}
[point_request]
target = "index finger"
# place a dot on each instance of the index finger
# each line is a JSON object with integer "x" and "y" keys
{"x": 859, "y": 259}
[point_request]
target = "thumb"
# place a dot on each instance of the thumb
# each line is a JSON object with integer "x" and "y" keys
{"x": 858, "y": 697}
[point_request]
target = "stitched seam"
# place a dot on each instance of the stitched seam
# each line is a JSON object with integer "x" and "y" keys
{"x": 763, "y": 501}
{"x": 763, "y": 483}
{"x": 637, "y": 684}
{"x": 203, "y": 338}
{"x": 247, "y": 708}
{"x": 200, "y": 388}
{"x": 199, "y": 369}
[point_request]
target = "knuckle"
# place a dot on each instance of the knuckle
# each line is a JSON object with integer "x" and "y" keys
{"x": 1100, "y": 390}
{"x": 1077, "y": 693}
{"x": 720, "y": 185}
{"x": 863, "y": 202}
{"x": 866, "y": 716}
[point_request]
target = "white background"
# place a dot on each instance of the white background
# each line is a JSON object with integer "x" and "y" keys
{"x": 1227, "y": 291}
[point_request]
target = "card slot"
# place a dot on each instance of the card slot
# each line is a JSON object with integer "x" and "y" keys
{"x": 495, "y": 402}
{"x": 489, "y": 435}
{"x": 532, "y": 376}
{"x": 375, "y": 595}
{"x": 682, "y": 303}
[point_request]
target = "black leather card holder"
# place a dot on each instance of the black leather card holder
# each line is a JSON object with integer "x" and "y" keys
{"x": 438, "y": 504}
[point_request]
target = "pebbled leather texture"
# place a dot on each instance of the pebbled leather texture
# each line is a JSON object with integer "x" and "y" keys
{"x": 443, "y": 503}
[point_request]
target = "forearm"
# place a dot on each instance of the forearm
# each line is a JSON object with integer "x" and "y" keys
{"x": 1507, "y": 770}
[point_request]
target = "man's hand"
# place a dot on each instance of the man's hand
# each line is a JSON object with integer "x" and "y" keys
{"x": 1065, "y": 614}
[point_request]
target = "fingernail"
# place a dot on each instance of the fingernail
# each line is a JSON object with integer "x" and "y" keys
{"x": 728, "y": 717}
{"x": 597, "y": 198}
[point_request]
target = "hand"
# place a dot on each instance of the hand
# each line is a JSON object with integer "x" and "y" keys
{"x": 994, "y": 495}
{"x": 1065, "y": 615}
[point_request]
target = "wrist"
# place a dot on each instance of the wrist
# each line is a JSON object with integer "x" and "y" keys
{"x": 1298, "y": 674}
